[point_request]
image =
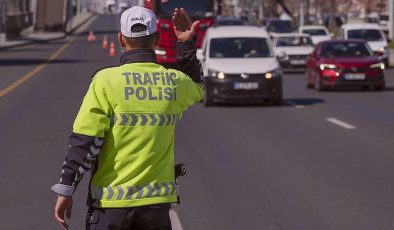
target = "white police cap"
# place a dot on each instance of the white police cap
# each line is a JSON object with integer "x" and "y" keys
{"x": 137, "y": 15}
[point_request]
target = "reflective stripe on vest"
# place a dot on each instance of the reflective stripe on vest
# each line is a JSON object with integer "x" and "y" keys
{"x": 161, "y": 189}
{"x": 145, "y": 119}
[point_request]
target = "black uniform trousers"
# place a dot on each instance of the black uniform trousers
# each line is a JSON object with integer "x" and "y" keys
{"x": 150, "y": 217}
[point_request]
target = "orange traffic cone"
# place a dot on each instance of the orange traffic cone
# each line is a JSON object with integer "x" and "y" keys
{"x": 91, "y": 37}
{"x": 105, "y": 42}
{"x": 112, "y": 51}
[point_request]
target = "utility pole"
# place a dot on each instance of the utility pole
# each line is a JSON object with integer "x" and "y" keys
{"x": 390, "y": 6}
{"x": 261, "y": 10}
{"x": 331, "y": 21}
{"x": 3, "y": 18}
{"x": 308, "y": 5}
{"x": 236, "y": 8}
{"x": 302, "y": 14}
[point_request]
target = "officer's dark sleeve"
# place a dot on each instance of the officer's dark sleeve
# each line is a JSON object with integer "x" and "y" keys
{"x": 81, "y": 156}
{"x": 188, "y": 62}
{"x": 90, "y": 126}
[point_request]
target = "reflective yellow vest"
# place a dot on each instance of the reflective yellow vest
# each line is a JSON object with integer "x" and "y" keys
{"x": 135, "y": 108}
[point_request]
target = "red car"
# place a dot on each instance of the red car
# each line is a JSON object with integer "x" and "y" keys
{"x": 344, "y": 63}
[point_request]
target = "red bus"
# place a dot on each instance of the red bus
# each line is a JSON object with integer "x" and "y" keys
{"x": 202, "y": 10}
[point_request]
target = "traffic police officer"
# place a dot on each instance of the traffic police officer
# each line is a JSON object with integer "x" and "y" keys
{"x": 124, "y": 131}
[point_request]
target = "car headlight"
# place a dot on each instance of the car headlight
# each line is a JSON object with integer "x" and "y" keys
{"x": 327, "y": 66}
{"x": 214, "y": 73}
{"x": 160, "y": 52}
{"x": 165, "y": 26}
{"x": 383, "y": 49}
{"x": 273, "y": 73}
{"x": 377, "y": 66}
{"x": 283, "y": 56}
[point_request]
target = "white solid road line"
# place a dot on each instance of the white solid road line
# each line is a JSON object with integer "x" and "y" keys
{"x": 175, "y": 222}
{"x": 292, "y": 103}
{"x": 340, "y": 123}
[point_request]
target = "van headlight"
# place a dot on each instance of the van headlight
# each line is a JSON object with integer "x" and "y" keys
{"x": 383, "y": 49}
{"x": 216, "y": 74}
{"x": 161, "y": 52}
{"x": 273, "y": 74}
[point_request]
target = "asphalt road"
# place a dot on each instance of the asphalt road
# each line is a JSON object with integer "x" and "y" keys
{"x": 323, "y": 160}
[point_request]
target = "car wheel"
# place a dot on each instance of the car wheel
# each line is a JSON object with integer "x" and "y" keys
{"x": 309, "y": 86}
{"x": 277, "y": 101}
{"x": 318, "y": 85}
{"x": 378, "y": 87}
{"x": 386, "y": 63}
{"x": 207, "y": 100}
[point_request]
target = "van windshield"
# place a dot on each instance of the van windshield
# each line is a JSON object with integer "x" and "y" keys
{"x": 315, "y": 32}
{"x": 239, "y": 48}
{"x": 365, "y": 34}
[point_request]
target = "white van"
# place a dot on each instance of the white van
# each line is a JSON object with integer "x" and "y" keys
{"x": 371, "y": 33}
{"x": 239, "y": 65}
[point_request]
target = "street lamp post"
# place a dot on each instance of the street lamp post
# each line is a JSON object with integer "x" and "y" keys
{"x": 391, "y": 19}
{"x": 3, "y": 18}
{"x": 302, "y": 14}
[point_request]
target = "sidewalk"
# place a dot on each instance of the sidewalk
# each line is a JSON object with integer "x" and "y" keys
{"x": 391, "y": 58}
{"x": 28, "y": 36}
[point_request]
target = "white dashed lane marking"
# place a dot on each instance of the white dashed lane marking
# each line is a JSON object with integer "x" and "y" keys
{"x": 340, "y": 123}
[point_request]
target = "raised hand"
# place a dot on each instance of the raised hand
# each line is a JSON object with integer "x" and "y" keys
{"x": 183, "y": 25}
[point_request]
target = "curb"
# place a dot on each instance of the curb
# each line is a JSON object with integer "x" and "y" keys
{"x": 66, "y": 34}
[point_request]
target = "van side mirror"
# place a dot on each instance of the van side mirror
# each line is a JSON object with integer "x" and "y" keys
{"x": 379, "y": 53}
{"x": 200, "y": 55}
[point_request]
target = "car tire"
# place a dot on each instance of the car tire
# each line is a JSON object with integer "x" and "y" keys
{"x": 386, "y": 63}
{"x": 207, "y": 100}
{"x": 378, "y": 87}
{"x": 277, "y": 101}
{"x": 318, "y": 85}
{"x": 309, "y": 86}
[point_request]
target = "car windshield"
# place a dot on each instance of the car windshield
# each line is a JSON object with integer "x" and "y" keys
{"x": 293, "y": 41}
{"x": 365, "y": 34}
{"x": 239, "y": 48}
{"x": 230, "y": 22}
{"x": 384, "y": 17}
{"x": 348, "y": 49}
{"x": 315, "y": 32}
{"x": 280, "y": 26}
{"x": 194, "y": 8}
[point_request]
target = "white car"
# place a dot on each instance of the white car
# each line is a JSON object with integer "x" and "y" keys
{"x": 292, "y": 49}
{"x": 371, "y": 33}
{"x": 318, "y": 33}
{"x": 239, "y": 65}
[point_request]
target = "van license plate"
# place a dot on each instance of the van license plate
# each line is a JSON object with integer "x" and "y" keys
{"x": 246, "y": 85}
{"x": 297, "y": 62}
